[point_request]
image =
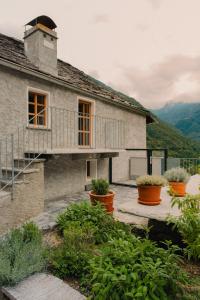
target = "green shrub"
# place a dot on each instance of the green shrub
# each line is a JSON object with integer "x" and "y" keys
{"x": 21, "y": 254}
{"x": 104, "y": 225}
{"x": 177, "y": 175}
{"x": 151, "y": 180}
{"x": 134, "y": 269}
{"x": 100, "y": 186}
{"x": 188, "y": 223}
{"x": 71, "y": 258}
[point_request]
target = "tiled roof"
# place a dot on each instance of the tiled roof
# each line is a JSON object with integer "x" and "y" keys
{"x": 13, "y": 50}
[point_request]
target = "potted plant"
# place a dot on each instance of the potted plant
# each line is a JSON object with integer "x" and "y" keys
{"x": 149, "y": 188}
{"x": 177, "y": 178}
{"x": 101, "y": 193}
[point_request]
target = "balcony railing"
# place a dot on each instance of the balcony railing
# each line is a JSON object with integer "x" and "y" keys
{"x": 61, "y": 131}
{"x": 70, "y": 130}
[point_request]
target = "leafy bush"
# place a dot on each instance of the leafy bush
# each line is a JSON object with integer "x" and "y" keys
{"x": 188, "y": 223}
{"x": 21, "y": 254}
{"x": 177, "y": 175}
{"x": 104, "y": 225}
{"x": 71, "y": 258}
{"x": 134, "y": 269}
{"x": 151, "y": 180}
{"x": 100, "y": 186}
{"x": 109, "y": 261}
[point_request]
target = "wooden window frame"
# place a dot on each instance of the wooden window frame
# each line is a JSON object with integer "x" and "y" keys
{"x": 35, "y": 114}
{"x": 84, "y": 117}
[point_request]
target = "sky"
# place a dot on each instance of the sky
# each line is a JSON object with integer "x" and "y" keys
{"x": 148, "y": 49}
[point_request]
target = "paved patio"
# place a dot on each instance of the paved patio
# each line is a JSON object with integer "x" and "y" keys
{"x": 127, "y": 209}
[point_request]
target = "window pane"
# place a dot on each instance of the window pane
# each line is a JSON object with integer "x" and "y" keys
{"x": 80, "y": 107}
{"x": 87, "y": 108}
{"x": 40, "y": 121}
{"x": 31, "y": 119}
{"x": 80, "y": 138}
{"x": 87, "y": 139}
{"x": 40, "y": 110}
{"x": 31, "y": 97}
{"x": 31, "y": 108}
{"x": 40, "y": 99}
{"x": 80, "y": 127}
{"x": 87, "y": 124}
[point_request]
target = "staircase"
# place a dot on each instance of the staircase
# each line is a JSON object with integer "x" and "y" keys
{"x": 16, "y": 159}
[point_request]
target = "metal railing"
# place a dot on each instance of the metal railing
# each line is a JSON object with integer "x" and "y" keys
{"x": 27, "y": 143}
{"x": 192, "y": 165}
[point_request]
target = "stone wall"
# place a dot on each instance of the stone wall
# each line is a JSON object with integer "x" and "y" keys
{"x": 64, "y": 176}
{"x": 14, "y": 102}
{"x": 61, "y": 174}
{"x": 28, "y": 199}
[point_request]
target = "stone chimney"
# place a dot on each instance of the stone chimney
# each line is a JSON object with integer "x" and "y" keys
{"x": 40, "y": 44}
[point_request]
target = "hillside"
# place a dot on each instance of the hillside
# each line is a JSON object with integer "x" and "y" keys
{"x": 162, "y": 135}
{"x": 184, "y": 116}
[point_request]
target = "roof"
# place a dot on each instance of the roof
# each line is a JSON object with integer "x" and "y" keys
{"x": 12, "y": 50}
{"x": 44, "y": 20}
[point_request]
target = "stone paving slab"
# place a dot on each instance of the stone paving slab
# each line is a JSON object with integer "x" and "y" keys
{"x": 42, "y": 287}
{"x": 125, "y": 201}
{"x": 130, "y": 219}
{"x": 162, "y": 211}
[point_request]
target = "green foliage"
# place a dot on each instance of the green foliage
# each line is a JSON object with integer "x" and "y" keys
{"x": 100, "y": 186}
{"x": 163, "y": 135}
{"x": 104, "y": 225}
{"x": 111, "y": 262}
{"x": 177, "y": 175}
{"x": 151, "y": 180}
{"x": 21, "y": 254}
{"x": 71, "y": 258}
{"x": 184, "y": 116}
{"x": 188, "y": 223}
{"x": 133, "y": 269}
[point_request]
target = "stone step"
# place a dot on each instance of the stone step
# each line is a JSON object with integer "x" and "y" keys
{"x": 8, "y": 170}
{"x": 130, "y": 219}
{"x": 22, "y": 162}
{"x": 42, "y": 287}
{"x": 8, "y": 181}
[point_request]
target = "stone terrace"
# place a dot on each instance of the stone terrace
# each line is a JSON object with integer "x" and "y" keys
{"x": 126, "y": 207}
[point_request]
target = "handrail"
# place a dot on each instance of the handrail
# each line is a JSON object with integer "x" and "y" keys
{"x": 61, "y": 130}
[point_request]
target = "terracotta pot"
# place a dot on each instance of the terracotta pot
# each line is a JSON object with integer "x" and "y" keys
{"x": 106, "y": 200}
{"x": 149, "y": 194}
{"x": 178, "y": 188}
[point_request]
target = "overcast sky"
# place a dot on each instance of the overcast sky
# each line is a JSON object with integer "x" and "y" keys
{"x": 149, "y": 49}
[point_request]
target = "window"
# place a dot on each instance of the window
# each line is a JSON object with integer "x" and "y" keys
{"x": 37, "y": 114}
{"x": 84, "y": 124}
{"x": 88, "y": 168}
{"x": 91, "y": 169}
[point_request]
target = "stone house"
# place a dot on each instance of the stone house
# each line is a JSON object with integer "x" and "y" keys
{"x": 58, "y": 126}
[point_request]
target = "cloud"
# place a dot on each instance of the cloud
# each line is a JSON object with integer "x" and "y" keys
{"x": 175, "y": 78}
{"x": 101, "y": 18}
{"x": 94, "y": 73}
{"x": 11, "y": 30}
{"x": 155, "y": 3}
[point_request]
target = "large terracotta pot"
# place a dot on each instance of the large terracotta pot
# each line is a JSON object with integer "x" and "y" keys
{"x": 106, "y": 200}
{"x": 178, "y": 188}
{"x": 149, "y": 194}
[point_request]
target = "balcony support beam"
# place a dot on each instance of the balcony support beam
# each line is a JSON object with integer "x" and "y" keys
{"x": 84, "y": 156}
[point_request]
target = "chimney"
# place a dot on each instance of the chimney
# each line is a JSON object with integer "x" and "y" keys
{"x": 40, "y": 44}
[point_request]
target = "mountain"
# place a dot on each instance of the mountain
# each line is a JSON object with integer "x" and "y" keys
{"x": 163, "y": 135}
{"x": 184, "y": 116}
